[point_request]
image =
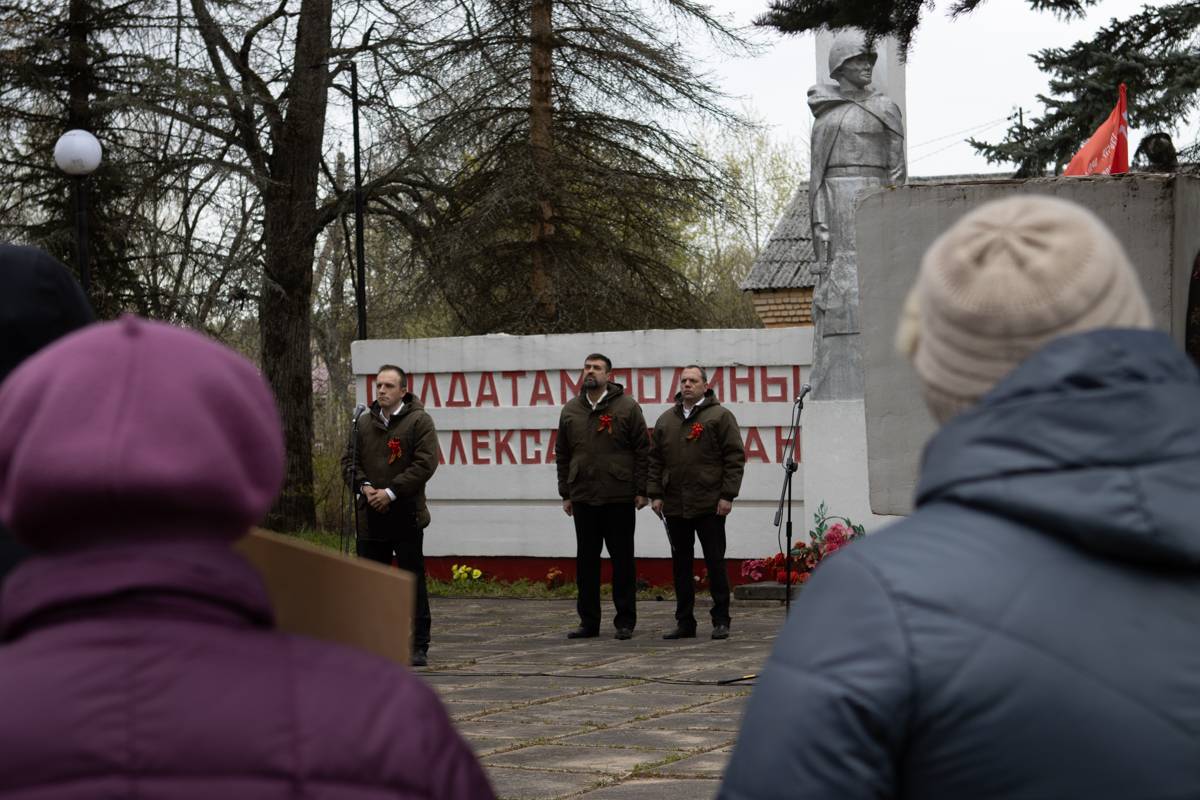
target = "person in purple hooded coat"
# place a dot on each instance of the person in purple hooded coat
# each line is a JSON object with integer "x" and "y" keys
{"x": 138, "y": 655}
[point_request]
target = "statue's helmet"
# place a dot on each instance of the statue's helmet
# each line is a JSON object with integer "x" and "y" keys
{"x": 846, "y": 45}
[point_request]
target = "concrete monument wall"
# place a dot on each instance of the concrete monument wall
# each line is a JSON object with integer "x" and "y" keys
{"x": 496, "y": 402}
{"x": 1156, "y": 217}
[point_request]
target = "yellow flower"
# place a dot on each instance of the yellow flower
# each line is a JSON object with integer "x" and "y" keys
{"x": 476, "y": 574}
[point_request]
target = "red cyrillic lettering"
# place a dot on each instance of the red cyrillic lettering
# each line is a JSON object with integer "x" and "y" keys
{"x": 458, "y": 384}
{"x": 735, "y": 382}
{"x": 430, "y": 381}
{"x": 536, "y": 457}
{"x": 502, "y": 447}
{"x": 642, "y": 395}
{"x": 781, "y": 444}
{"x": 768, "y": 383}
{"x": 487, "y": 390}
{"x": 479, "y": 444}
{"x": 755, "y": 451}
{"x": 567, "y": 388}
{"x": 717, "y": 383}
{"x": 457, "y": 450}
{"x": 513, "y": 377}
{"x": 541, "y": 389}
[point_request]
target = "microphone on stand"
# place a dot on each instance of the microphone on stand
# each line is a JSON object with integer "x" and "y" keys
{"x": 360, "y": 408}
{"x": 805, "y": 389}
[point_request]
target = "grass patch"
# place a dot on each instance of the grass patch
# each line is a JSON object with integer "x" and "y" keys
{"x": 529, "y": 590}
{"x": 537, "y": 590}
{"x": 321, "y": 538}
{"x": 489, "y": 587}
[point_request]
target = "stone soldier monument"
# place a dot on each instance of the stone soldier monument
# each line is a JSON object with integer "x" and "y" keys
{"x": 857, "y": 146}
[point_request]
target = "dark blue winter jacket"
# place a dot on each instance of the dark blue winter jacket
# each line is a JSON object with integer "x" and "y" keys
{"x": 1033, "y": 629}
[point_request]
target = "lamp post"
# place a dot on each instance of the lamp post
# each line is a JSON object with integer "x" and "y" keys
{"x": 77, "y": 153}
{"x": 360, "y": 288}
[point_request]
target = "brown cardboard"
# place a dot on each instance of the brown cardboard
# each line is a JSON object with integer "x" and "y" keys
{"x": 326, "y": 595}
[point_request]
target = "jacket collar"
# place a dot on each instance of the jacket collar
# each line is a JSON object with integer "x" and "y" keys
{"x": 198, "y": 578}
{"x": 710, "y": 400}
{"x": 408, "y": 404}
{"x": 614, "y": 390}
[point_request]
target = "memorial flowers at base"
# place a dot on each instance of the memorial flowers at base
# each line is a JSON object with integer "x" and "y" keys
{"x": 829, "y": 534}
{"x": 465, "y": 573}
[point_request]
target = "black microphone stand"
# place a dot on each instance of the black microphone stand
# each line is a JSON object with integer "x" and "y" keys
{"x": 785, "y": 498}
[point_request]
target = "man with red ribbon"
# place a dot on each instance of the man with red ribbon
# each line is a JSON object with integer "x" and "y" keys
{"x": 601, "y": 454}
{"x": 696, "y": 464}
{"x": 393, "y": 457}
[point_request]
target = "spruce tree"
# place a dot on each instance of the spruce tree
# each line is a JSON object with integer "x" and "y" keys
{"x": 1154, "y": 52}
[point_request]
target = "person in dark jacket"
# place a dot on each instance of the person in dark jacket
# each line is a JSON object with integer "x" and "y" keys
{"x": 696, "y": 464}
{"x": 601, "y": 454}
{"x": 39, "y": 302}
{"x": 1031, "y": 629}
{"x": 394, "y": 455}
{"x": 138, "y": 655}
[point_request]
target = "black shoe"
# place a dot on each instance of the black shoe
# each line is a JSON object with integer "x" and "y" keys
{"x": 720, "y": 632}
{"x": 624, "y": 633}
{"x": 420, "y": 657}
{"x": 680, "y": 633}
{"x": 582, "y": 633}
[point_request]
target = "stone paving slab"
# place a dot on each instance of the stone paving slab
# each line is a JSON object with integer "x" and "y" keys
{"x": 657, "y": 738}
{"x": 655, "y": 789}
{"x": 566, "y": 758}
{"x": 698, "y": 721}
{"x": 526, "y": 784}
{"x": 558, "y": 719}
{"x": 704, "y": 765}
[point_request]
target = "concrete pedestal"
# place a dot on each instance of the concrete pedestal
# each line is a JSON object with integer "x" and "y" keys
{"x": 835, "y": 463}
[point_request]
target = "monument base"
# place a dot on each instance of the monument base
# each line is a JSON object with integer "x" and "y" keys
{"x": 835, "y": 462}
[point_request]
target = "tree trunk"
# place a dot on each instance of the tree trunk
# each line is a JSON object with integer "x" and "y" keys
{"x": 289, "y": 237}
{"x": 541, "y": 139}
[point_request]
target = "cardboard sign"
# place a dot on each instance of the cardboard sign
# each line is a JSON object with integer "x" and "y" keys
{"x": 326, "y": 595}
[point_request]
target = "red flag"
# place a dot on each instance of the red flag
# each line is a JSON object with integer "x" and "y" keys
{"x": 1107, "y": 152}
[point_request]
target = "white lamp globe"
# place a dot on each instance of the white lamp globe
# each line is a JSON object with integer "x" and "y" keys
{"x": 77, "y": 153}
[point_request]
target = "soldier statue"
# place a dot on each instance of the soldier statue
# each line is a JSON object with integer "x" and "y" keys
{"x": 857, "y": 146}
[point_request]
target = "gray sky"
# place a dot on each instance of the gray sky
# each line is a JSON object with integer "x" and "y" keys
{"x": 963, "y": 77}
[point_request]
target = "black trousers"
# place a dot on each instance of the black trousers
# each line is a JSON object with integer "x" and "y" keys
{"x": 683, "y": 532}
{"x": 608, "y": 525}
{"x": 396, "y": 534}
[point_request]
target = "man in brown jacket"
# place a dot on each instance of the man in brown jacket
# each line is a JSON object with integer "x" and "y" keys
{"x": 601, "y": 455}
{"x": 696, "y": 463}
{"x": 393, "y": 456}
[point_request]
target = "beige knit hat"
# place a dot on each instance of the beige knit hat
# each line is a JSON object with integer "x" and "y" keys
{"x": 1004, "y": 280}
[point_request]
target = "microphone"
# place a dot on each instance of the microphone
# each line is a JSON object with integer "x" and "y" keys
{"x": 360, "y": 408}
{"x": 805, "y": 389}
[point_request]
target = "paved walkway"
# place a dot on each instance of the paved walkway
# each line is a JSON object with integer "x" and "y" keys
{"x": 545, "y": 723}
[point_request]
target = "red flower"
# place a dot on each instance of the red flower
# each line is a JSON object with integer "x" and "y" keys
{"x": 606, "y": 421}
{"x": 697, "y": 429}
{"x": 396, "y": 450}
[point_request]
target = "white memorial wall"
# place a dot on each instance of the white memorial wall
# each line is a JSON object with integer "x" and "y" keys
{"x": 496, "y": 399}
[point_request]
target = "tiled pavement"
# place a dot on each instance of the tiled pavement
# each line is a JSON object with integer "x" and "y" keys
{"x": 595, "y": 718}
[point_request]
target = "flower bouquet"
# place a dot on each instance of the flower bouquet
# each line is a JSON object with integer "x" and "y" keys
{"x": 829, "y": 534}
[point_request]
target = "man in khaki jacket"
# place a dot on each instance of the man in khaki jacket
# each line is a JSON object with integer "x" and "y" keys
{"x": 696, "y": 463}
{"x": 395, "y": 455}
{"x": 601, "y": 455}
